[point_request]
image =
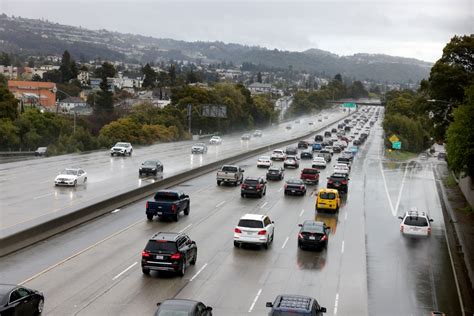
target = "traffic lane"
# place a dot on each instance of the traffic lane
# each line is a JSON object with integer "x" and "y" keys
{"x": 415, "y": 273}
{"x": 91, "y": 265}
{"x": 23, "y": 211}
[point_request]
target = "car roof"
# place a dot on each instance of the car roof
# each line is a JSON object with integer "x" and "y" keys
{"x": 189, "y": 304}
{"x": 325, "y": 190}
{"x": 319, "y": 158}
{"x": 293, "y": 302}
{"x": 416, "y": 213}
{"x": 253, "y": 178}
{"x": 312, "y": 223}
{"x": 294, "y": 181}
{"x": 166, "y": 236}
{"x": 258, "y": 217}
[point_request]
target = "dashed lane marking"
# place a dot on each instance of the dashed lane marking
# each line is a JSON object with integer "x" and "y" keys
{"x": 263, "y": 205}
{"x": 255, "y": 300}
{"x": 284, "y": 244}
{"x": 342, "y": 247}
{"x": 301, "y": 213}
{"x": 182, "y": 230}
{"x": 220, "y": 204}
{"x": 197, "y": 273}
{"x": 124, "y": 271}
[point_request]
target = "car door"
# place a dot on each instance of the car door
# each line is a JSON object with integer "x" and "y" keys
{"x": 269, "y": 226}
{"x": 184, "y": 249}
{"x": 80, "y": 176}
{"x": 19, "y": 302}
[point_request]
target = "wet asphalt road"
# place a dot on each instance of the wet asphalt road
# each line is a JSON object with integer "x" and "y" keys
{"x": 29, "y": 195}
{"x": 368, "y": 267}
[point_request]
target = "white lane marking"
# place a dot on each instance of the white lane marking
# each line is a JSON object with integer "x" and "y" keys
{"x": 342, "y": 248}
{"x": 220, "y": 204}
{"x": 124, "y": 271}
{"x": 197, "y": 273}
{"x": 284, "y": 244}
{"x": 79, "y": 253}
{"x": 401, "y": 189}
{"x": 279, "y": 190}
{"x": 182, "y": 230}
{"x": 264, "y": 204}
{"x": 42, "y": 196}
{"x": 301, "y": 213}
{"x": 115, "y": 211}
{"x": 255, "y": 300}
{"x": 345, "y": 216}
{"x": 336, "y": 302}
{"x": 386, "y": 191}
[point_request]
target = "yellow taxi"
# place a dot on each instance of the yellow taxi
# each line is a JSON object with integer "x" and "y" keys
{"x": 328, "y": 199}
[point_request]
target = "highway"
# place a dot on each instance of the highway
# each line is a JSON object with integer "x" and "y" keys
{"x": 367, "y": 269}
{"x": 29, "y": 196}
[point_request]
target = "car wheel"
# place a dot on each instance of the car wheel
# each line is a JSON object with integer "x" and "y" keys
{"x": 236, "y": 244}
{"x": 285, "y": 193}
{"x": 265, "y": 192}
{"x": 218, "y": 183}
{"x": 242, "y": 195}
{"x": 260, "y": 195}
{"x": 187, "y": 210}
{"x": 155, "y": 173}
{"x": 182, "y": 270}
{"x": 146, "y": 271}
{"x": 85, "y": 180}
{"x": 39, "y": 307}
{"x": 130, "y": 153}
{"x": 149, "y": 217}
{"x": 304, "y": 193}
{"x": 176, "y": 217}
{"x": 193, "y": 261}
{"x": 75, "y": 183}
{"x": 265, "y": 245}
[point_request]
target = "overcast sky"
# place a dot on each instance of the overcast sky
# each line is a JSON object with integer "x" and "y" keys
{"x": 408, "y": 28}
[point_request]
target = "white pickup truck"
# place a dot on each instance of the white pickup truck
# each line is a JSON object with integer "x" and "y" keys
{"x": 230, "y": 174}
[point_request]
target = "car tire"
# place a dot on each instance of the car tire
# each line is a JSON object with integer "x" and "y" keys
{"x": 304, "y": 193}
{"x": 265, "y": 245}
{"x": 130, "y": 153}
{"x": 236, "y": 244}
{"x": 39, "y": 307}
{"x": 85, "y": 180}
{"x": 187, "y": 210}
{"x": 146, "y": 271}
{"x": 75, "y": 183}
{"x": 218, "y": 183}
{"x": 242, "y": 195}
{"x": 182, "y": 270}
{"x": 260, "y": 195}
{"x": 265, "y": 192}
{"x": 176, "y": 217}
{"x": 193, "y": 261}
{"x": 155, "y": 173}
{"x": 149, "y": 217}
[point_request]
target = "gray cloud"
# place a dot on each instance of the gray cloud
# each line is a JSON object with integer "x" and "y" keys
{"x": 418, "y": 29}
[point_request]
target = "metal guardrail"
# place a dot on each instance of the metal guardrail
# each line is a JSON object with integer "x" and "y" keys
{"x": 51, "y": 227}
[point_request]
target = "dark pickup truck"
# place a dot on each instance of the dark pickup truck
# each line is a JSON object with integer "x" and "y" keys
{"x": 310, "y": 175}
{"x": 169, "y": 204}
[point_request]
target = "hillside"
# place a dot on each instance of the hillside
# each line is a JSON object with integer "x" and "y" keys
{"x": 30, "y": 36}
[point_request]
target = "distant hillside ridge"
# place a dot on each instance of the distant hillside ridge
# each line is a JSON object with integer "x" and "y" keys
{"x": 40, "y": 37}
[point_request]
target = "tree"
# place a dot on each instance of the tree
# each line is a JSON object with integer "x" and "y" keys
{"x": 150, "y": 76}
{"x": 8, "y": 104}
{"x": 52, "y": 76}
{"x": 172, "y": 75}
{"x": 36, "y": 77}
{"x": 259, "y": 77}
{"x": 460, "y": 136}
{"x": 5, "y": 59}
{"x": 104, "y": 103}
{"x": 68, "y": 67}
{"x": 338, "y": 77}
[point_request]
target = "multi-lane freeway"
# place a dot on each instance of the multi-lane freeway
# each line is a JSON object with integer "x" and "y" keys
{"x": 369, "y": 268}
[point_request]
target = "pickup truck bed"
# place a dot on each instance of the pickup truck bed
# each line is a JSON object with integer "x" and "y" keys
{"x": 169, "y": 204}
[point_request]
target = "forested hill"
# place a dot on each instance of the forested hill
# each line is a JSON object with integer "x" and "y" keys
{"x": 29, "y": 36}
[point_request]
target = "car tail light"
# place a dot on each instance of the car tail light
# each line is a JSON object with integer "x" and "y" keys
{"x": 344, "y": 181}
{"x": 243, "y": 186}
{"x": 176, "y": 256}
{"x": 324, "y": 238}
{"x": 236, "y": 176}
{"x": 286, "y": 186}
{"x": 145, "y": 254}
{"x": 259, "y": 186}
{"x": 302, "y": 187}
{"x": 401, "y": 228}
{"x": 429, "y": 230}
{"x": 238, "y": 231}
{"x": 146, "y": 204}
{"x": 262, "y": 232}
{"x": 173, "y": 207}
{"x": 300, "y": 236}
{"x": 330, "y": 180}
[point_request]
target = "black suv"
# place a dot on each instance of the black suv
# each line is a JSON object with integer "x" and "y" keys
{"x": 338, "y": 181}
{"x": 318, "y": 138}
{"x": 253, "y": 186}
{"x": 150, "y": 167}
{"x": 291, "y": 151}
{"x": 169, "y": 252}
{"x": 295, "y": 305}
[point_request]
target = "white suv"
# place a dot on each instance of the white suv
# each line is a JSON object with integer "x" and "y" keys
{"x": 254, "y": 229}
{"x": 264, "y": 162}
{"x": 415, "y": 223}
{"x": 121, "y": 149}
{"x": 278, "y": 154}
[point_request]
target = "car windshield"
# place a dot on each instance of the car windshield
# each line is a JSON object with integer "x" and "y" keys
{"x": 166, "y": 196}
{"x": 327, "y": 195}
{"x": 251, "y": 181}
{"x": 161, "y": 246}
{"x": 416, "y": 221}
{"x": 250, "y": 223}
{"x": 121, "y": 145}
{"x": 273, "y": 171}
{"x": 149, "y": 163}
{"x": 199, "y": 145}
{"x": 71, "y": 172}
{"x": 171, "y": 312}
{"x": 310, "y": 171}
{"x": 229, "y": 169}
{"x": 277, "y": 152}
{"x": 294, "y": 181}
{"x": 313, "y": 227}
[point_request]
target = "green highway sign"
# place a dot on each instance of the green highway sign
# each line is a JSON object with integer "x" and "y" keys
{"x": 349, "y": 105}
{"x": 397, "y": 145}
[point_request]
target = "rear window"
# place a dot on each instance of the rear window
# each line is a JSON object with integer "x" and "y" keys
{"x": 161, "y": 246}
{"x": 229, "y": 169}
{"x": 343, "y": 160}
{"x": 312, "y": 228}
{"x": 166, "y": 196}
{"x": 310, "y": 171}
{"x": 327, "y": 195}
{"x": 251, "y": 182}
{"x": 416, "y": 221}
{"x": 250, "y": 223}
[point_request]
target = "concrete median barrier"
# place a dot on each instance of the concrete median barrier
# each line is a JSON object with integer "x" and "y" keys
{"x": 27, "y": 236}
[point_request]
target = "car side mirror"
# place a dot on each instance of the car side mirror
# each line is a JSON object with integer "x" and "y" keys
{"x": 269, "y": 304}
{"x": 431, "y": 219}
{"x": 400, "y": 217}
{"x": 300, "y": 225}
{"x": 193, "y": 242}
{"x": 158, "y": 304}
{"x": 242, "y": 170}
{"x": 273, "y": 222}
{"x": 322, "y": 310}
{"x": 328, "y": 227}
{"x": 208, "y": 309}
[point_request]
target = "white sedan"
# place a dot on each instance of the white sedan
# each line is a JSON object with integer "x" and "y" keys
{"x": 264, "y": 162}
{"x": 341, "y": 168}
{"x": 215, "y": 140}
{"x": 318, "y": 162}
{"x": 71, "y": 177}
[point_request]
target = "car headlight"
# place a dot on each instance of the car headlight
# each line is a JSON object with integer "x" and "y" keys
{"x": 141, "y": 168}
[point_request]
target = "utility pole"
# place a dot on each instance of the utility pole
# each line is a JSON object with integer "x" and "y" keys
{"x": 190, "y": 109}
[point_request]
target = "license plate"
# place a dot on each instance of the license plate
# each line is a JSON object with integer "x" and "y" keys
{"x": 250, "y": 187}
{"x": 159, "y": 257}
{"x": 160, "y": 213}
{"x": 336, "y": 184}
{"x": 292, "y": 191}
{"x": 312, "y": 238}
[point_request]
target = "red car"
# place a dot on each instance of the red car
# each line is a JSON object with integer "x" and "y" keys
{"x": 310, "y": 175}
